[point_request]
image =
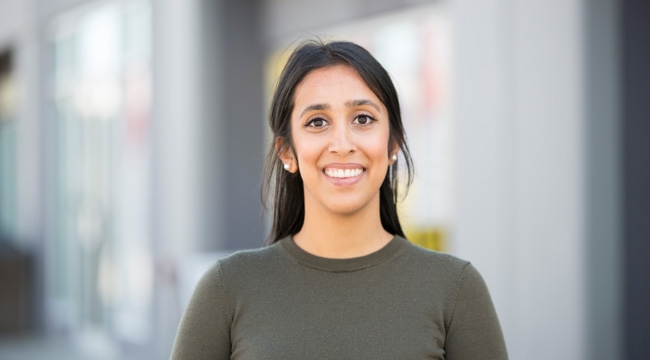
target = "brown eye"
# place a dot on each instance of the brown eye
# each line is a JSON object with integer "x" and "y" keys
{"x": 363, "y": 119}
{"x": 318, "y": 122}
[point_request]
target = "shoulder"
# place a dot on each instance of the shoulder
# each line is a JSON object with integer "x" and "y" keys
{"x": 250, "y": 259}
{"x": 231, "y": 275}
{"x": 458, "y": 283}
{"x": 245, "y": 266}
{"x": 434, "y": 263}
{"x": 450, "y": 276}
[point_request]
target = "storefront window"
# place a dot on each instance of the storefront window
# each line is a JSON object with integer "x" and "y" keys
{"x": 99, "y": 256}
{"x": 8, "y": 190}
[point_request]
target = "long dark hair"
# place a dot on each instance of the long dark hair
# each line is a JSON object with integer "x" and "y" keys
{"x": 285, "y": 190}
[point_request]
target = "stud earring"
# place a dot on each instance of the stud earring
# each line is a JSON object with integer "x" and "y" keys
{"x": 394, "y": 157}
{"x": 287, "y": 166}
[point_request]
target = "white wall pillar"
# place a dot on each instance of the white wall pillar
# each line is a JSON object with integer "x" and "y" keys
{"x": 520, "y": 93}
{"x": 176, "y": 125}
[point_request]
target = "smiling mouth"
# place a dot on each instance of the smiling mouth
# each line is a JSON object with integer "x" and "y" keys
{"x": 343, "y": 173}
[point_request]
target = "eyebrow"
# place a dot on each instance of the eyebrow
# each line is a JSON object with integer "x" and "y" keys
{"x": 362, "y": 102}
{"x": 350, "y": 104}
{"x": 315, "y": 107}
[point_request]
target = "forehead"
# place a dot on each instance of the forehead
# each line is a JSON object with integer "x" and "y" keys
{"x": 338, "y": 83}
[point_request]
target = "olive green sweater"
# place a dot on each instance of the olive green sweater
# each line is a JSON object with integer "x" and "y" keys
{"x": 280, "y": 302}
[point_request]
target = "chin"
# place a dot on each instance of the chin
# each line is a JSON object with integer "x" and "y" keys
{"x": 349, "y": 208}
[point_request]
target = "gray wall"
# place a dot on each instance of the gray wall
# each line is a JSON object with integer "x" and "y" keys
{"x": 234, "y": 34}
{"x": 604, "y": 210}
{"x": 636, "y": 169}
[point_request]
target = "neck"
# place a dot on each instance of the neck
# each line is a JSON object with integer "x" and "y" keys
{"x": 340, "y": 236}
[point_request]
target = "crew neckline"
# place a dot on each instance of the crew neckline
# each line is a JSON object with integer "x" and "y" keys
{"x": 342, "y": 265}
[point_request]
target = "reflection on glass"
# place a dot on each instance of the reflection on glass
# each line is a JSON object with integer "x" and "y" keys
{"x": 99, "y": 259}
{"x": 8, "y": 190}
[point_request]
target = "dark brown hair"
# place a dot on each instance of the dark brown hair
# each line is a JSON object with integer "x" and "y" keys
{"x": 283, "y": 189}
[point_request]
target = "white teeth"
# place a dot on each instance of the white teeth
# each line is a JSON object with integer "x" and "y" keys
{"x": 340, "y": 173}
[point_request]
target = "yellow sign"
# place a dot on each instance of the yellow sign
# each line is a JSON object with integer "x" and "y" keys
{"x": 434, "y": 238}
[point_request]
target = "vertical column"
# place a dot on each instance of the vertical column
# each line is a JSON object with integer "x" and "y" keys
{"x": 521, "y": 167}
{"x": 29, "y": 145}
{"x": 485, "y": 142}
{"x": 176, "y": 125}
{"x": 243, "y": 124}
{"x": 550, "y": 170}
{"x": 603, "y": 208}
{"x": 636, "y": 147}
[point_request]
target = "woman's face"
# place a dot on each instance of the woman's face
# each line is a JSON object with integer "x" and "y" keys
{"x": 340, "y": 133}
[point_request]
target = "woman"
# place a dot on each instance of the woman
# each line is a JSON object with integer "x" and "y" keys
{"x": 338, "y": 279}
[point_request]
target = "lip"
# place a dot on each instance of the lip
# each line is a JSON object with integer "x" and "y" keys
{"x": 344, "y": 166}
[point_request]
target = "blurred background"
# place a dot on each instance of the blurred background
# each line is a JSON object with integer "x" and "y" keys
{"x": 133, "y": 133}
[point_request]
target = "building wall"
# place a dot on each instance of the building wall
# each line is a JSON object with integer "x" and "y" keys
{"x": 521, "y": 200}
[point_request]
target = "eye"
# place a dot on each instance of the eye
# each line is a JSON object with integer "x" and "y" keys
{"x": 317, "y": 122}
{"x": 363, "y": 119}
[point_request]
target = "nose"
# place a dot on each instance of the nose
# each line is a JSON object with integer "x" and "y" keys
{"x": 341, "y": 141}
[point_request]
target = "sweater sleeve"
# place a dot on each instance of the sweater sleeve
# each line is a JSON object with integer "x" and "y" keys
{"x": 204, "y": 331}
{"x": 474, "y": 331}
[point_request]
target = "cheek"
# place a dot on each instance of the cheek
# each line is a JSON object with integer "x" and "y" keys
{"x": 307, "y": 154}
{"x": 377, "y": 147}
{"x": 380, "y": 154}
{"x": 307, "y": 149}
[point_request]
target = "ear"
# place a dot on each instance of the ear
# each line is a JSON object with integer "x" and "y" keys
{"x": 285, "y": 154}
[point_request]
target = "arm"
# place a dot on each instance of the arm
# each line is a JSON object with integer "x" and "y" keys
{"x": 204, "y": 332}
{"x": 474, "y": 331}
